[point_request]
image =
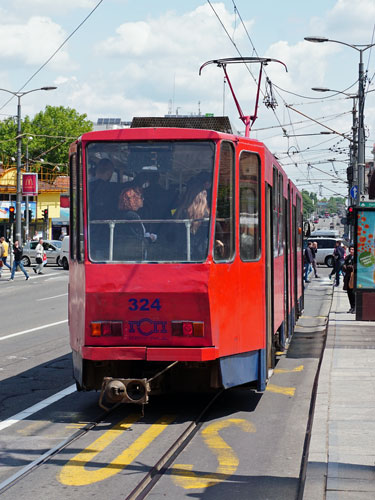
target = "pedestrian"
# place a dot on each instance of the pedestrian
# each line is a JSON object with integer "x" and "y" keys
{"x": 348, "y": 268}
{"x": 1, "y": 258}
{"x": 339, "y": 256}
{"x": 308, "y": 257}
{"x": 5, "y": 251}
{"x": 18, "y": 252}
{"x": 314, "y": 250}
{"x": 39, "y": 257}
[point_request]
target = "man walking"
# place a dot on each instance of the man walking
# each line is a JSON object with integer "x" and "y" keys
{"x": 39, "y": 257}
{"x": 339, "y": 256}
{"x": 308, "y": 256}
{"x": 314, "y": 250}
{"x": 18, "y": 252}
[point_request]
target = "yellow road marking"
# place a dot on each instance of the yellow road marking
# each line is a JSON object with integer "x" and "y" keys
{"x": 31, "y": 428}
{"x": 283, "y": 370}
{"x": 77, "y": 425}
{"x": 74, "y": 472}
{"x": 183, "y": 474}
{"x": 277, "y": 389}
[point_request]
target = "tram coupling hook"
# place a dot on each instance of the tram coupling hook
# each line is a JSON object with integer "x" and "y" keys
{"x": 124, "y": 390}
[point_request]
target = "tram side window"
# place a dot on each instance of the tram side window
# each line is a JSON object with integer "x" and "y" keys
{"x": 73, "y": 204}
{"x": 299, "y": 223}
{"x": 80, "y": 228}
{"x": 224, "y": 233}
{"x": 249, "y": 206}
{"x": 281, "y": 215}
{"x": 275, "y": 212}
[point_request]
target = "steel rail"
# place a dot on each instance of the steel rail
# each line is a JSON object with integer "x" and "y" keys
{"x": 162, "y": 465}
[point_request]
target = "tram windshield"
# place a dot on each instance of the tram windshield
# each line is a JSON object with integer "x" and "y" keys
{"x": 149, "y": 201}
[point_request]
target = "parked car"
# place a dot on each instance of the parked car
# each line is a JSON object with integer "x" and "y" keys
{"x": 64, "y": 253}
{"x": 51, "y": 247}
{"x": 324, "y": 255}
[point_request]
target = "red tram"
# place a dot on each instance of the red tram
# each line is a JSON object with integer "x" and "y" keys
{"x": 185, "y": 256}
{"x": 153, "y": 282}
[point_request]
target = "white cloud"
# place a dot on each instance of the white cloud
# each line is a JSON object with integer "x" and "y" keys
{"x": 192, "y": 34}
{"x": 33, "y": 42}
{"x": 348, "y": 21}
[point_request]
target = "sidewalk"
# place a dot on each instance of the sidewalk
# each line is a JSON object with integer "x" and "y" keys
{"x": 342, "y": 448}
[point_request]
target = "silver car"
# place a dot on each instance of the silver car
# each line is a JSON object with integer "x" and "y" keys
{"x": 51, "y": 247}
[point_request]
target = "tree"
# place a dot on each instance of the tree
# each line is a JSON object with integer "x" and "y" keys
{"x": 308, "y": 203}
{"x": 52, "y": 131}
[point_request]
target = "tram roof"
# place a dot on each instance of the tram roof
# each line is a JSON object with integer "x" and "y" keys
{"x": 175, "y": 128}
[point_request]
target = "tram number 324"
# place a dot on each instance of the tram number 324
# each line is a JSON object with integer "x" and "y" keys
{"x": 144, "y": 305}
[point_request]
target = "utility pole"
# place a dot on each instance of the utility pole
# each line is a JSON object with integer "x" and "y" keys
{"x": 361, "y": 131}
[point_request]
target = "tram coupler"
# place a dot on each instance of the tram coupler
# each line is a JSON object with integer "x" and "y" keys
{"x": 124, "y": 390}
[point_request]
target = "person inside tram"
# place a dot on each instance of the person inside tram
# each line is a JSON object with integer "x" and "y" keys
{"x": 194, "y": 207}
{"x": 131, "y": 239}
{"x": 156, "y": 200}
{"x": 101, "y": 207}
{"x": 100, "y": 192}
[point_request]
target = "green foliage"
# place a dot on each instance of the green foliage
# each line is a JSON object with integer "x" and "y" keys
{"x": 52, "y": 130}
{"x": 309, "y": 202}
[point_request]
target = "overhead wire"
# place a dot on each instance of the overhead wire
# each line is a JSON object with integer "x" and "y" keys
{"x": 55, "y": 52}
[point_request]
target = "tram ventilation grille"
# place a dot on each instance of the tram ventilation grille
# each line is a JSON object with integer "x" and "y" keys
{"x": 218, "y": 123}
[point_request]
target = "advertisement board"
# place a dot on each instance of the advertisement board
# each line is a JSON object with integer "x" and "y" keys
{"x": 365, "y": 255}
{"x": 30, "y": 184}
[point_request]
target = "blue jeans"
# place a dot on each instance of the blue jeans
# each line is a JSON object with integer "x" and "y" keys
{"x": 308, "y": 269}
{"x": 4, "y": 259}
{"x": 15, "y": 264}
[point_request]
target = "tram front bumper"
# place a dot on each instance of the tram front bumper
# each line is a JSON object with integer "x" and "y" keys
{"x": 149, "y": 353}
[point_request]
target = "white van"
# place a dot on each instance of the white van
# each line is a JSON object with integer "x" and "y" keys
{"x": 64, "y": 253}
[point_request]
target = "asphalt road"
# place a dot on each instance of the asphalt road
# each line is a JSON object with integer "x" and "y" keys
{"x": 250, "y": 445}
{"x": 35, "y": 354}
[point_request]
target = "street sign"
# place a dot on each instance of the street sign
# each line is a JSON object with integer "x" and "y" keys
{"x": 354, "y": 192}
{"x": 367, "y": 204}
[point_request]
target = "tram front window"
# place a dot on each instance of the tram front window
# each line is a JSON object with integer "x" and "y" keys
{"x": 149, "y": 201}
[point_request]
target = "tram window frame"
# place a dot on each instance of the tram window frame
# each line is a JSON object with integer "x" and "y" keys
{"x": 281, "y": 223}
{"x": 219, "y": 255}
{"x": 299, "y": 223}
{"x": 257, "y": 205}
{"x": 80, "y": 224}
{"x": 73, "y": 205}
{"x": 275, "y": 212}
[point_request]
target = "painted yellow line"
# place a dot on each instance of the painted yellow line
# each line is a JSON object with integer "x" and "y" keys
{"x": 30, "y": 429}
{"x": 74, "y": 472}
{"x": 75, "y": 426}
{"x": 277, "y": 389}
{"x": 283, "y": 370}
{"x": 183, "y": 475}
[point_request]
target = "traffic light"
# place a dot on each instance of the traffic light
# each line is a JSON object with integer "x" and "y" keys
{"x": 350, "y": 216}
{"x": 45, "y": 213}
{"x": 11, "y": 215}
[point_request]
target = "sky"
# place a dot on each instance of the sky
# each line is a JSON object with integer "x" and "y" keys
{"x": 121, "y": 58}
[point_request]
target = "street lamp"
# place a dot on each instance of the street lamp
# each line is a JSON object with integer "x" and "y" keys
{"x": 353, "y": 174}
{"x": 361, "y": 103}
{"x": 19, "y": 152}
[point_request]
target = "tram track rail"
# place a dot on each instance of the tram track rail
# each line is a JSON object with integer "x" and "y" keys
{"x": 148, "y": 481}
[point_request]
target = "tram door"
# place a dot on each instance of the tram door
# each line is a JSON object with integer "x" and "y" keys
{"x": 294, "y": 236}
{"x": 286, "y": 264}
{"x": 269, "y": 277}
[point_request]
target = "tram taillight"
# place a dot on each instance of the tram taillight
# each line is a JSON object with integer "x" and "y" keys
{"x": 106, "y": 329}
{"x": 188, "y": 328}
